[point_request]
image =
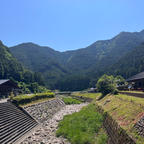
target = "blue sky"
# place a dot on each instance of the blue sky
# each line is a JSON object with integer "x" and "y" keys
{"x": 67, "y": 24}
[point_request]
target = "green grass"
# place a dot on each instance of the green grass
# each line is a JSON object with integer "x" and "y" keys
{"x": 135, "y": 100}
{"x": 88, "y": 95}
{"x": 83, "y": 127}
{"x": 141, "y": 92}
{"x": 27, "y": 99}
{"x": 69, "y": 100}
{"x": 126, "y": 110}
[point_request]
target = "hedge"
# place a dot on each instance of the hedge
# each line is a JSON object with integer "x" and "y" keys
{"x": 24, "y": 99}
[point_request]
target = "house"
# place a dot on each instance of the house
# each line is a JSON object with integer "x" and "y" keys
{"x": 7, "y": 87}
{"x": 137, "y": 81}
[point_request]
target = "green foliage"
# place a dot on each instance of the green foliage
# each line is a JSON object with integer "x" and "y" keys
{"x": 87, "y": 95}
{"x": 10, "y": 68}
{"x": 120, "y": 80}
{"x": 106, "y": 84}
{"x": 24, "y": 99}
{"x": 126, "y": 110}
{"x": 130, "y": 64}
{"x": 73, "y": 83}
{"x": 82, "y": 127}
{"x": 69, "y": 100}
{"x": 63, "y": 70}
{"x": 32, "y": 88}
{"x": 102, "y": 139}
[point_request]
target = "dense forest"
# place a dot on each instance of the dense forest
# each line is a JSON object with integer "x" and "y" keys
{"x": 10, "y": 68}
{"x": 77, "y": 69}
{"x": 80, "y": 69}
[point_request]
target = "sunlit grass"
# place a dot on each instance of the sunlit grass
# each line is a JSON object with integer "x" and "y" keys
{"x": 69, "y": 100}
{"x": 88, "y": 95}
{"x": 133, "y": 91}
{"x": 28, "y": 99}
{"x": 36, "y": 102}
{"x": 83, "y": 127}
{"x": 126, "y": 110}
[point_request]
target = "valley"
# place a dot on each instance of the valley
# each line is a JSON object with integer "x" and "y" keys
{"x": 79, "y": 68}
{"x": 72, "y": 72}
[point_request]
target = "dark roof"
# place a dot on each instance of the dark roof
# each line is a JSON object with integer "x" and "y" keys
{"x": 136, "y": 77}
{"x": 3, "y": 81}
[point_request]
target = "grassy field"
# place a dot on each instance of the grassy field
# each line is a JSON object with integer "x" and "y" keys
{"x": 88, "y": 95}
{"x": 84, "y": 127}
{"x": 126, "y": 110}
{"x": 69, "y": 100}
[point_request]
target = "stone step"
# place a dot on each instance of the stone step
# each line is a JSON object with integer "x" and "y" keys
{"x": 14, "y": 127}
{"x": 7, "y": 123}
{"x": 14, "y": 123}
{"x": 9, "y": 117}
{"x": 11, "y": 114}
{"x": 23, "y": 132}
{"x": 8, "y": 107}
{"x": 13, "y": 136}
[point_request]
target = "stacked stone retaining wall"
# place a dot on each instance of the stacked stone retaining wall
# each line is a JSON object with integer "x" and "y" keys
{"x": 116, "y": 133}
{"x": 45, "y": 110}
{"x": 139, "y": 126}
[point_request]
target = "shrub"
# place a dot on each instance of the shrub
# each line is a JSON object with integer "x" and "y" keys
{"x": 106, "y": 84}
{"x": 24, "y": 99}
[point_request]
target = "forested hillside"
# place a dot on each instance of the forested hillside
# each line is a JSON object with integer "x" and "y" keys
{"x": 75, "y": 70}
{"x": 40, "y": 59}
{"x": 10, "y": 68}
{"x": 130, "y": 64}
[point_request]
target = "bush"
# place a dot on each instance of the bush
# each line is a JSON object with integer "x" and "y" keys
{"x": 24, "y": 99}
{"x": 106, "y": 84}
{"x": 32, "y": 88}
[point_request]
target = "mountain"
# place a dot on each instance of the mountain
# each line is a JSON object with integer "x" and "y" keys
{"x": 11, "y": 68}
{"x": 40, "y": 59}
{"x": 90, "y": 62}
{"x": 130, "y": 64}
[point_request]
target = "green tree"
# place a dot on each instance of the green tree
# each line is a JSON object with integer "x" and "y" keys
{"x": 120, "y": 80}
{"x": 106, "y": 84}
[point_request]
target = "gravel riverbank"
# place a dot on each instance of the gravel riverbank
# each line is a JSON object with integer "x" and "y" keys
{"x": 46, "y": 133}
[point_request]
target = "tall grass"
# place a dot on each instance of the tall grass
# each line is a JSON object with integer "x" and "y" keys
{"x": 82, "y": 127}
{"x": 87, "y": 95}
{"x": 69, "y": 100}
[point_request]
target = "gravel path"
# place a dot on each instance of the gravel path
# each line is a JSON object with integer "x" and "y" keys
{"x": 46, "y": 133}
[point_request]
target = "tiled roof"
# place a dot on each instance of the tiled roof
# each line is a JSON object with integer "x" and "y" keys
{"x": 136, "y": 77}
{"x": 3, "y": 81}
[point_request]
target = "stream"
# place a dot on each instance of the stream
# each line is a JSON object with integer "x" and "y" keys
{"x": 45, "y": 134}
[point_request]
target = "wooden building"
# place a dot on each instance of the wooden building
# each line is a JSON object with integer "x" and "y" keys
{"x": 136, "y": 82}
{"x": 7, "y": 87}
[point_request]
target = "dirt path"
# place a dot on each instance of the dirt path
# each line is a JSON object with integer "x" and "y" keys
{"x": 46, "y": 133}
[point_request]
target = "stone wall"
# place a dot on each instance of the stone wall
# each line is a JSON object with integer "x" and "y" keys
{"x": 45, "y": 110}
{"x": 139, "y": 126}
{"x": 116, "y": 133}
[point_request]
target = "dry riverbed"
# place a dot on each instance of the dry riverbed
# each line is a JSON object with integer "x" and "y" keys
{"x": 46, "y": 133}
